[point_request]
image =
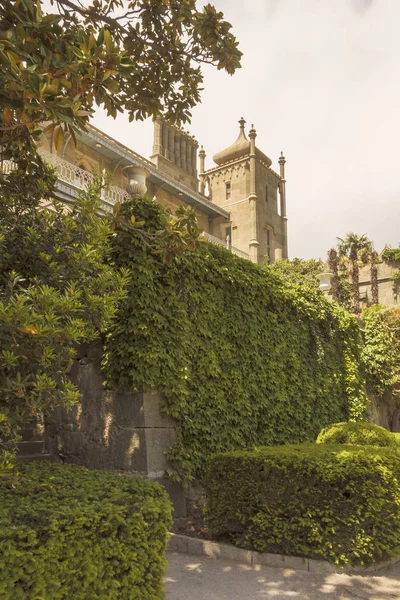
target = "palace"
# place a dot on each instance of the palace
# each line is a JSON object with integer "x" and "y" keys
{"x": 240, "y": 202}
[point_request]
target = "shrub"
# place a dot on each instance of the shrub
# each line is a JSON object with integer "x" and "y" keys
{"x": 66, "y": 532}
{"x": 339, "y": 503}
{"x": 357, "y": 434}
{"x": 242, "y": 358}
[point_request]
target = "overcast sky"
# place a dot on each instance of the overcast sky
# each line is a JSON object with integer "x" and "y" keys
{"x": 320, "y": 80}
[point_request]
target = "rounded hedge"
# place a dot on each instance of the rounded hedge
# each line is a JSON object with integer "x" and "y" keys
{"x": 66, "y": 532}
{"x": 338, "y": 503}
{"x": 357, "y": 434}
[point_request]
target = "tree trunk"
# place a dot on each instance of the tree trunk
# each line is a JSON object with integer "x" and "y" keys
{"x": 355, "y": 276}
{"x": 333, "y": 262}
{"x": 374, "y": 279}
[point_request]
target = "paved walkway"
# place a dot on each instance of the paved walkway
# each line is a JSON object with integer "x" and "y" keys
{"x": 198, "y": 578}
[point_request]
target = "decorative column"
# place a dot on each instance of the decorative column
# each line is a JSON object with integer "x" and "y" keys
{"x": 254, "y": 243}
{"x": 194, "y": 157}
{"x": 183, "y": 152}
{"x": 202, "y": 156}
{"x": 171, "y": 144}
{"x": 282, "y": 162}
{"x": 189, "y": 146}
{"x": 157, "y": 141}
{"x": 165, "y": 150}
{"x": 177, "y": 146}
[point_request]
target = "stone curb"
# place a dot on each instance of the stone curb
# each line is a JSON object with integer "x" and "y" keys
{"x": 184, "y": 544}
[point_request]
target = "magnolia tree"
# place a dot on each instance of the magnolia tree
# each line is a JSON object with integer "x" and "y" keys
{"x": 142, "y": 57}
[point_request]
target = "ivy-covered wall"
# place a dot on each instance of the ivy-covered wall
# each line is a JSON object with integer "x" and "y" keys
{"x": 242, "y": 358}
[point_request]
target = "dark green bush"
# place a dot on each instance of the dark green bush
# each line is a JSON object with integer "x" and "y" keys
{"x": 69, "y": 533}
{"x": 339, "y": 503}
{"x": 242, "y": 358}
{"x": 357, "y": 434}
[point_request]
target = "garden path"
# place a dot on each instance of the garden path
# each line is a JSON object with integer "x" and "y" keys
{"x": 200, "y": 578}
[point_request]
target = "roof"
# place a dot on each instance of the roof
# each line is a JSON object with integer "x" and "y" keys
{"x": 117, "y": 151}
{"x": 239, "y": 149}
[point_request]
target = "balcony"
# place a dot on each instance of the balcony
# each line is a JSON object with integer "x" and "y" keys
{"x": 75, "y": 179}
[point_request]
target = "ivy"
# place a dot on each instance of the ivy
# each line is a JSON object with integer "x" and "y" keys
{"x": 242, "y": 358}
{"x": 381, "y": 352}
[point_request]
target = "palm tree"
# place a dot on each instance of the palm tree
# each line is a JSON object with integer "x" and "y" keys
{"x": 355, "y": 250}
{"x": 374, "y": 260}
{"x": 333, "y": 262}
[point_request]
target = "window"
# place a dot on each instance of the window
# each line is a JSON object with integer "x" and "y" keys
{"x": 266, "y": 194}
{"x": 228, "y": 190}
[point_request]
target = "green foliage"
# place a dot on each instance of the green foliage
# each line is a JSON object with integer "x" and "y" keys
{"x": 56, "y": 291}
{"x": 66, "y": 532}
{"x": 357, "y": 434}
{"x": 299, "y": 271}
{"x": 242, "y": 358}
{"x": 381, "y": 351}
{"x": 354, "y": 251}
{"x": 142, "y": 57}
{"x": 391, "y": 256}
{"x": 339, "y": 503}
{"x": 341, "y": 289}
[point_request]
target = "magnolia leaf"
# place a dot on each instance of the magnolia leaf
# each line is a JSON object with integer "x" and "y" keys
{"x": 8, "y": 115}
{"x": 108, "y": 41}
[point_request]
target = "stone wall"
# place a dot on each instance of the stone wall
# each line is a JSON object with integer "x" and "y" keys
{"x": 114, "y": 431}
{"x": 385, "y": 411}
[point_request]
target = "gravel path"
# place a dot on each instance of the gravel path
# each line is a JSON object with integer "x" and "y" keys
{"x": 199, "y": 578}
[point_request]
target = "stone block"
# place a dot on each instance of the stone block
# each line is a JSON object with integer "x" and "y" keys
{"x": 195, "y": 547}
{"x": 178, "y": 543}
{"x": 321, "y": 566}
{"x": 237, "y": 554}
{"x": 152, "y": 404}
{"x": 141, "y": 410}
{"x": 280, "y": 562}
{"x": 158, "y": 441}
{"x": 177, "y": 495}
{"x": 128, "y": 410}
{"x": 128, "y": 450}
{"x": 211, "y": 549}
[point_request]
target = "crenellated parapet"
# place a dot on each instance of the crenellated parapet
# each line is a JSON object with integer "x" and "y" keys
{"x": 175, "y": 152}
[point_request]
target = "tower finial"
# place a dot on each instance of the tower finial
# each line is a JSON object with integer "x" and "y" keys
{"x": 252, "y": 133}
{"x": 242, "y": 123}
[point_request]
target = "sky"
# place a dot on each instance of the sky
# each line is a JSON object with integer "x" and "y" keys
{"x": 320, "y": 80}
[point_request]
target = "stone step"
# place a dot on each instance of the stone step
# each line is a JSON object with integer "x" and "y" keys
{"x": 30, "y": 448}
{"x": 36, "y": 457}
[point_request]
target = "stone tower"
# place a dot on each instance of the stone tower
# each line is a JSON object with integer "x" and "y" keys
{"x": 244, "y": 184}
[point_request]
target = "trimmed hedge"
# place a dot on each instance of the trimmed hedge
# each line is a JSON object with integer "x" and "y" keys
{"x": 338, "y": 503}
{"x": 66, "y": 532}
{"x": 243, "y": 358}
{"x": 357, "y": 434}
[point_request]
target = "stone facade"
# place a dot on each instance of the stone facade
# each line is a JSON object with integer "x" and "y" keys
{"x": 114, "y": 431}
{"x": 388, "y": 294}
{"x": 244, "y": 209}
{"x": 165, "y": 181}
